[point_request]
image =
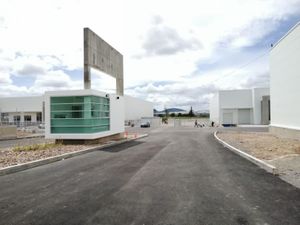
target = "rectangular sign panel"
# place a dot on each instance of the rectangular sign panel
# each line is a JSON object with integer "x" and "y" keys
{"x": 100, "y": 55}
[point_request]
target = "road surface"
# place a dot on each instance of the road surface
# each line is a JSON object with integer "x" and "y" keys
{"x": 174, "y": 176}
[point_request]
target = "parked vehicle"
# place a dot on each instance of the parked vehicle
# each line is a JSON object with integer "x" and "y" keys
{"x": 145, "y": 124}
{"x": 42, "y": 126}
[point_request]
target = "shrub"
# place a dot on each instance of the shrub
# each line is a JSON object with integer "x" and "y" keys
{"x": 35, "y": 147}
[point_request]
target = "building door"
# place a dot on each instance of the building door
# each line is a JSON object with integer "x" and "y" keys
{"x": 228, "y": 118}
{"x": 17, "y": 120}
{"x": 244, "y": 116}
{"x": 39, "y": 117}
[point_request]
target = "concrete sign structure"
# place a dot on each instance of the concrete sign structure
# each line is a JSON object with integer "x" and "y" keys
{"x": 248, "y": 106}
{"x": 285, "y": 84}
{"x": 100, "y": 55}
{"x": 86, "y": 114}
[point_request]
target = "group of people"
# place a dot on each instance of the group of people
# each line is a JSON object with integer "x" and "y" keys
{"x": 198, "y": 124}
{"x": 202, "y": 125}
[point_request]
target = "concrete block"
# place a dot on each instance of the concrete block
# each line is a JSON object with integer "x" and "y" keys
{"x": 8, "y": 132}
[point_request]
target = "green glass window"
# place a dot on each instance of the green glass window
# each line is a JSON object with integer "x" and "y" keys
{"x": 79, "y": 114}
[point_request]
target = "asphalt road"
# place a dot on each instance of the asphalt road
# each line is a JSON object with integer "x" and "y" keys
{"x": 175, "y": 176}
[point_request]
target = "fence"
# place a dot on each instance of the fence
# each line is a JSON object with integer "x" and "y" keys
{"x": 22, "y": 124}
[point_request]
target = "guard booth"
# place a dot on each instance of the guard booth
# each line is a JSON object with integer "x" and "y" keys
{"x": 83, "y": 114}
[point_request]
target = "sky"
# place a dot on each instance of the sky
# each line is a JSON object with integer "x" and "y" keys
{"x": 176, "y": 53}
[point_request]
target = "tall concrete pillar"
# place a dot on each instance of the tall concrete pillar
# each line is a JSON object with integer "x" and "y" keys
{"x": 265, "y": 110}
{"x": 87, "y": 77}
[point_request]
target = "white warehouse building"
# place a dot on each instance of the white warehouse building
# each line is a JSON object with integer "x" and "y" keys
{"x": 247, "y": 106}
{"x": 135, "y": 108}
{"x": 31, "y": 109}
{"x": 22, "y": 110}
{"x": 285, "y": 84}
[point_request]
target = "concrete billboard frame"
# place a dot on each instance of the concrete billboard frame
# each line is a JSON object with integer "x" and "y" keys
{"x": 100, "y": 55}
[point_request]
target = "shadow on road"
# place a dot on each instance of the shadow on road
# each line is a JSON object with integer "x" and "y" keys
{"x": 121, "y": 147}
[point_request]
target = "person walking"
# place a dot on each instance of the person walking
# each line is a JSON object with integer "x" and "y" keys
{"x": 196, "y": 123}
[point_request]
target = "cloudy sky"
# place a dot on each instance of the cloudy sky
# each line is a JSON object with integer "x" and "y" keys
{"x": 176, "y": 53}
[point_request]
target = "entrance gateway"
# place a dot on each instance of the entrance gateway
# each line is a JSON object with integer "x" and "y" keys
{"x": 88, "y": 114}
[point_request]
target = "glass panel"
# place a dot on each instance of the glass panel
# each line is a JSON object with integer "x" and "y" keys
{"x": 27, "y": 118}
{"x": 79, "y": 114}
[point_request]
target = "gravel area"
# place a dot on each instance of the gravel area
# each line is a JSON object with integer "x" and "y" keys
{"x": 289, "y": 168}
{"x": 283, "y": 153}
{"x": 8, "y": 144}
{"x": 10, "y": 157}
{"x": 261, "y": 145}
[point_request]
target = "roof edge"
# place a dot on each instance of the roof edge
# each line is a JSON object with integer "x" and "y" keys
{"x": 286, "y": 34}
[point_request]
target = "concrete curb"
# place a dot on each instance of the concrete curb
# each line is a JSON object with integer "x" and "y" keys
{"x": 33, "y": 136}
{"x": 262, "y": 164}
{"x": 25, "y": 137}
{"x": 40, "y": 162}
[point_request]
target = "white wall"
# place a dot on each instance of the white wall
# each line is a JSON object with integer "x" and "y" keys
{"x": 117, "y": 107}
{"x": 257, "y": 94}
{"x": 136, "y": 108}
{"x": 116, "y": 115}
{"x": 22, "y": 104}
{"x": 230, "y": 99}
{"x": 214, "y": 109}
{"x": 285, "y": 81}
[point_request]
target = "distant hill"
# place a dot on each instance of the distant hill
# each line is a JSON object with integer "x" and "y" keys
{"x": 201, "y": 112}
{"x": 170, "y": 110}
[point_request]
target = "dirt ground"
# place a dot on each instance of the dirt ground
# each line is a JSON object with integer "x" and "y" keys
{"x": 283, "y": 153}
{"x": 261, "y": 145}
{"x": 10, "y": 157}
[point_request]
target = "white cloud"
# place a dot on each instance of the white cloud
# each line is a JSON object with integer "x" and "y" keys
{"x": 163, "y": 40}
{"x": 42, "y": 39}
{"x": 5, "y": 78}
{"x": 14, "y": 90}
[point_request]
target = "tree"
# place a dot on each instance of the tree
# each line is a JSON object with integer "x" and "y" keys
{"x": 191, "y": 112}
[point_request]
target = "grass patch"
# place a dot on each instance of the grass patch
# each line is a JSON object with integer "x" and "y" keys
{"x": 35, "y": 147}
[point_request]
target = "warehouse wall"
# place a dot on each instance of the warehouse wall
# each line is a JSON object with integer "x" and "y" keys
{"x": 214, "y": 109}
{"x": 136, "y": 108}
{"x": 285, "y": 81}
{"x": 258, "y": 93}
{"x": 230, "y": 99}
{"x": 22, "y": 104}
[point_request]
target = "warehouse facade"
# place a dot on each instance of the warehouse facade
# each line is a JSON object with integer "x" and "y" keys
{"x": 22, "y": 110}
{"x": 285, "y": 84}
{"x": 235, "y": 107}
